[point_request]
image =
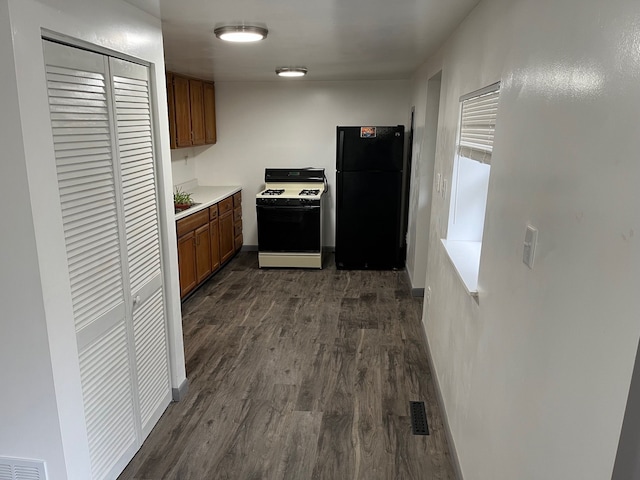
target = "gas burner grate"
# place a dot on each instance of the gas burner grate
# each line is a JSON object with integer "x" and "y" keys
{"x": 273, "y": 191}
{"x": 310, "y": 191}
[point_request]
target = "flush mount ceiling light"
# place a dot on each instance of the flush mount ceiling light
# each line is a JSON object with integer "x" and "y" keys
{"x": 291, "y": 71}
{"x": 241, "y": 33}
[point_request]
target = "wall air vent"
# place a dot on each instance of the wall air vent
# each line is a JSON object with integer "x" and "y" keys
{"x": 21, "y": 469}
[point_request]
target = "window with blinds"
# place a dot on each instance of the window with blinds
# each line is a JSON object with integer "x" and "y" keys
{"x": 470, "y": 183}
{"x": 478, "y": 123}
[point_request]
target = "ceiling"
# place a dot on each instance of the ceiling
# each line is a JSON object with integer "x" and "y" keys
{"x": 334, "y": 39}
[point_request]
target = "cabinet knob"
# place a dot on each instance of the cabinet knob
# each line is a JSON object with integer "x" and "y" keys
{"x": 136, "y": 300}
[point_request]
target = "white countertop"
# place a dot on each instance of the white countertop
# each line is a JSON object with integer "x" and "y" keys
{"x": 207, "y": 196}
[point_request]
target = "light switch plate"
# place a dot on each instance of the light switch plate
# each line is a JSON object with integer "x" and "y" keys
{"x": 530, "y": 239}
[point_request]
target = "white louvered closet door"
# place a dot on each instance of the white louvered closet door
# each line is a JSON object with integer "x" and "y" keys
{"x": 135, "y": 146}
{"x": 106, "y": 182}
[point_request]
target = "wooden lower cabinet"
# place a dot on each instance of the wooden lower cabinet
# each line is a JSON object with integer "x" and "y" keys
{"x": 227, "y": 236}
{"x": 215, "y": 245}
{"x": 237, "y": 239}
{"x": 237, "y": 221}
{"x": 194, "y": 252}
{"x": 206, "y": 240}
{"x": 187, "y": 262}
{"x": 203, "y": 253}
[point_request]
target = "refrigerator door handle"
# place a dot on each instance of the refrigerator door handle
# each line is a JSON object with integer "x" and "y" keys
{"x": 340, "y": 149}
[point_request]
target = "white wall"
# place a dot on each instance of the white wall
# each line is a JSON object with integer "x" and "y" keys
{"x": 183, "y": 164}
{"x": 29, "y": 424}
{"x": 535, "y": 377}
{"x": 426, "y": 100}
{"x": 42, "y": 370}
{"x": 290, "y": 124}
{"x": 419, "y": 103}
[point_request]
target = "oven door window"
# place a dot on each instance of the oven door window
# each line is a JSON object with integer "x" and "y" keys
{"x": 288, "y": 229}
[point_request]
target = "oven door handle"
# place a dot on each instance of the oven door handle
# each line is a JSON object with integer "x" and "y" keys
{"x": 288, "y": 207}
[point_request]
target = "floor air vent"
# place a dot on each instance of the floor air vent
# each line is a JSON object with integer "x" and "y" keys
{"x": 418, "y": 419}
{"x": 19, "y": 469}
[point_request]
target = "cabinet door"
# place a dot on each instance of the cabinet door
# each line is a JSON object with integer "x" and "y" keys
{"x": 187, "y": 263}
{"x": 237, "y": 235}
{"x": 203, "y": 253}
{"x": 182, "y": 102}
{"x": 215, "y": 245}
{"x": 171, "y": 105}
{"x": 237, "y": 220}
{"x": 238, "y": 242}
{"x": 196, "y": 94}
{"x": 226, "y": 237}
{"x": 209, "y": 113}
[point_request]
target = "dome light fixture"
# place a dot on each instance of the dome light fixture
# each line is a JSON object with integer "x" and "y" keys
{"x": 241, "y": 33}
{"x": 291, "y": 71}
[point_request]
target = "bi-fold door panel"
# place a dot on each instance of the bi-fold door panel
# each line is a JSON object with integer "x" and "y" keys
{"x": 102, "y": 131}
{"x": 108, "y": 400}
{"x": 135, "y": 148}
{"x": 82, "y": 139}
{"x": 78, "y": 89}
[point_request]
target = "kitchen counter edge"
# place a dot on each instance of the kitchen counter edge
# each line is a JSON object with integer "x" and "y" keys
{"x": 207, "y": 196}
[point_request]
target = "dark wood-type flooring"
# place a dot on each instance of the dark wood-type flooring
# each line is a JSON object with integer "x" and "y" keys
{"x": 299, "y": 374}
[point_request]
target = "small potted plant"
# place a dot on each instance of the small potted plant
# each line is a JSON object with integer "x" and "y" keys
{"x": 181, "y": 199}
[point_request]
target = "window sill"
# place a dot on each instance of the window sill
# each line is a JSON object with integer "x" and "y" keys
{"x": 465, "y": 257}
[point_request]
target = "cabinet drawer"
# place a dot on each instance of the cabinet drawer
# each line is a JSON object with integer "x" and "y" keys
{"x": 237, "y": 228}
{"x": 213, "y": 212}
{"x": 225, "y": 205}
{"x": 237, "y": 213}
{"x": 187, "y": 224}
{"x": 237, "y": 199}
{"x": 237, "y": 242}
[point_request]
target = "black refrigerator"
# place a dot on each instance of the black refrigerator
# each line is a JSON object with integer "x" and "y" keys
{"x": 371, "y": 193}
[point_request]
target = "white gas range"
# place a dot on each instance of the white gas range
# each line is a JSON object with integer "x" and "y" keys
{"x": 289, "y": 212}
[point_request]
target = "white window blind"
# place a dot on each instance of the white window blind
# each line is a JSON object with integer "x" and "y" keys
{"x": 478, "y": 123}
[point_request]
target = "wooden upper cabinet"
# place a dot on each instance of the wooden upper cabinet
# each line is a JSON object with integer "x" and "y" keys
{"x": 191, "y": 111}
{"x": 196, "y": 94}
{"x": 171, "y": 105}
{"x": 183, "y": 111}
{"x": 209, "y": 113}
